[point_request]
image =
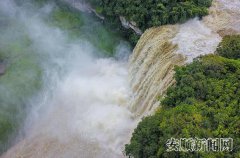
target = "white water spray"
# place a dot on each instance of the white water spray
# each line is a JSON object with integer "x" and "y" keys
{"x": 82, "y": 109}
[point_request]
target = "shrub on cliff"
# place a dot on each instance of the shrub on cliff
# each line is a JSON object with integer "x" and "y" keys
{"x": 204, "y": 103}
{"x": 230, "y": 47}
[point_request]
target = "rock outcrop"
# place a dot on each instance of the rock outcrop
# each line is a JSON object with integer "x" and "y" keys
{"x": 130, "y": 25}
{"x": 84, "y": 6}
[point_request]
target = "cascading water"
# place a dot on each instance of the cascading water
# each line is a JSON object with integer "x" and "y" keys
{"x": 81, "y": 110}
{"x": 160, "y": 49}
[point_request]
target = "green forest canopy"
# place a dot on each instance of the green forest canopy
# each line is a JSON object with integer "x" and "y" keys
{"x": 204, "y": 103}
{"x": 230, "y": 47}
{"x": 148, "y": 13}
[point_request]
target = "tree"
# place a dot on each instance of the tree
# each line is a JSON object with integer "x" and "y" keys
{"x": 203, "y": 103}
{"x": 230, "y": 47}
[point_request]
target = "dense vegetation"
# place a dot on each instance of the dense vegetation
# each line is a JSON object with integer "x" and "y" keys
{"x": 204, "y": 103}
{"x": 146, "y": 14}
{"x": 230, "y": 47}
{"x": 149, "y": 13}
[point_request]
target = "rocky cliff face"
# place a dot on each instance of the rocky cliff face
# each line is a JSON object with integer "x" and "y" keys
{"x": 160, "y": 49}
{"x": 130, "y": 25}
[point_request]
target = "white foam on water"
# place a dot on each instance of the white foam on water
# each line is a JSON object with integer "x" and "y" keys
{"x": 195, "y": 39}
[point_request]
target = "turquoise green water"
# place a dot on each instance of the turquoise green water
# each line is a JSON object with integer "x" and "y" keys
{"x": 87, "y": 27}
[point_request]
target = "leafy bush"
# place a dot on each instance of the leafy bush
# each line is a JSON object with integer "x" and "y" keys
{"x": 204, "y": 103}
{"x": 230, "y": 47}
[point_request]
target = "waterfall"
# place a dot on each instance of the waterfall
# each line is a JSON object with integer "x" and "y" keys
{"x": 151, "y": 67}
{"x": 81, "y": 110}
{"x": 160, "y": 49}
{"x": 86, "y": 107}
